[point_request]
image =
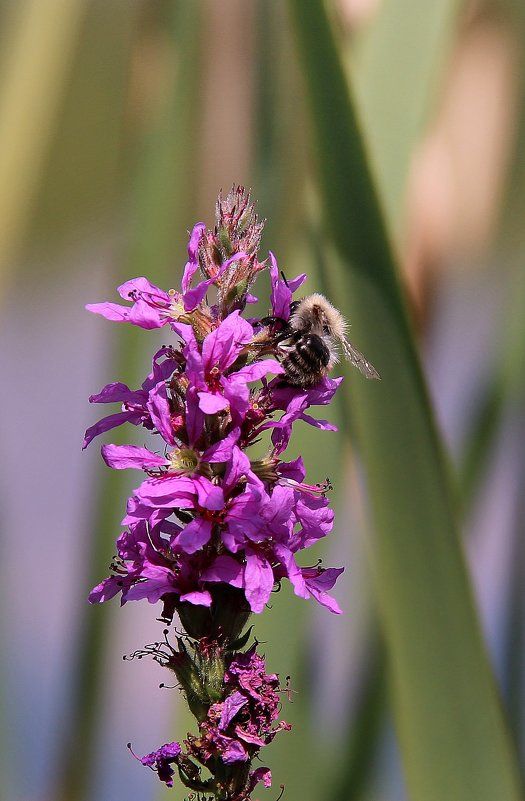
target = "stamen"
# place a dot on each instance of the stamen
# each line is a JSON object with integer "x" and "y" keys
{"x": 132, "y": 752}
{"x": 148, "y": 531}
{"x": 281, "y": 793}
{"x": 287, "y": 689}
{"x": 308, "y": 489}
{"x": 184, "y": 461}
{"x": 161, "y": 652}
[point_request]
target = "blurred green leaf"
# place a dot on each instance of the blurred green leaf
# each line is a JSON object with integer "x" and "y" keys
{"x": 397, "y": 69}
{"x": 510, "y": 381}
{"x": 280, "y": 156}
{"x": 79, "y": 198}
{"x": 40, "y": 46}
{"x": 167, "y": 174}
{"x": 365, "y": 729}
{"x": 453, "y": 738}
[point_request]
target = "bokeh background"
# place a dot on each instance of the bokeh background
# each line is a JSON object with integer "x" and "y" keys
{"x": 120, "y": 120}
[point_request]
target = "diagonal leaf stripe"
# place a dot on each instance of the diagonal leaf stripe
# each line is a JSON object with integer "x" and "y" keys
{"x": 453, "y": 737}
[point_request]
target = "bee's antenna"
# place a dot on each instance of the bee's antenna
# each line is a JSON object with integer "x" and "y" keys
{"x": 284, "y": 279}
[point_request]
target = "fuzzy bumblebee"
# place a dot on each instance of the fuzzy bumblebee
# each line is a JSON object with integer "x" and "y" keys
{"x": 309, "y": 345}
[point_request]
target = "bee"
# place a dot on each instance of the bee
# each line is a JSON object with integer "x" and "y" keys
{"x": 308, "y": 344}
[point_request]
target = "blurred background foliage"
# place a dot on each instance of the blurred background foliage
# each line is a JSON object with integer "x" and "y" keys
{"x": 119, "y": 123}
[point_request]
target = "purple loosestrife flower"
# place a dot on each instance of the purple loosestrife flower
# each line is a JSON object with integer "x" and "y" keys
{"x": 210, "y": 530}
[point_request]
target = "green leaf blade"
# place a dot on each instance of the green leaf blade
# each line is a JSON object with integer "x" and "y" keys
{"x": 453, "y": 737}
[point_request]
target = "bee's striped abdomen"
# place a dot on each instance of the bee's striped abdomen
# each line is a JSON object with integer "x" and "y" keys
{"x": 307, "y": 362}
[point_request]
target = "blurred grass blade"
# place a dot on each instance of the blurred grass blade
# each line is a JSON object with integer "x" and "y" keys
{"x": 279, "y": 161}
{"x": 453, "y": 738}
{"x": 395, "y": 94}
{"x": 393, "y": 121}
{"x": 481, "y": 438}
{"x": 35, "y": 68}
{"x": 368, "y": 725}
{"x": 164, "y": 187}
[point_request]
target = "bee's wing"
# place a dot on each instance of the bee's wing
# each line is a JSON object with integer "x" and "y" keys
{"x": 358, "y": 360}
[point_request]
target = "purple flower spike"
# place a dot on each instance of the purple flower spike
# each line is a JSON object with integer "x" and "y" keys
{"x": 212, "y": 530}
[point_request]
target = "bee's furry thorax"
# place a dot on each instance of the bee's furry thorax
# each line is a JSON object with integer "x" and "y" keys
{"x": 316, "y": 313}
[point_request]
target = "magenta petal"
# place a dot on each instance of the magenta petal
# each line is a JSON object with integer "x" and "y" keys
{"x": 161, "y": 761}
{"x": 294, "y": 469}
{"x": 104, "y": 591}
{"x": 147, "y": 316}
{"x": 120, "y": 457}
{"x": 184, "y": 330}
{"x": 222, "y": 346}
{"x": 318, "y": 585}
{"x": 325, "y": 579}
{"x": 324, "y": 425}
{"x": 327, "y": 601}
{"x": 162, "y": 368}
{"x": 295, "y": 283}
{"x": 225, "y": 569}
{"x": 210, "y": 403}
{"x": 232, "y": 704}
{"x": 282, "y": 291}
{"x": 139, "y": 512}
{"x": 245, "y": 519}
{"x": 238, "y": 394}
{"x": 197, "y": 598}
{"x": 159, "y": 410}
{"x": 194, "y": 363}
{"x": 247, "y": 737}
{"x": 222, "y": 450}
{"x": 238, "y": 466}
{"x": 258, "y": 580}
{"x": 316, "y": 519}
{"x": 195, "y": 417}
{"x": 195, "y": 237}
{"x": 167, "y": 491}
{"x": 193, "y": 297}
{"x": 143, "y": 286}
{"x": 193, "y": 264}
{"x": 261, "y": 774}
{"x": 293, "y": 571}
{"x": 209, "y": 495}
{"x": 189, "y": 271}
{"x": 324, "y": 391}
{"x": 111, "y": 311}
{"x": 234, "y": 752}
{"x": 117, "y": 392}
{"x": 195, "y": 535}
{"x": 109, "y": 422}
{"x": 254, "y": 372}
{"x": 159, "y": 581}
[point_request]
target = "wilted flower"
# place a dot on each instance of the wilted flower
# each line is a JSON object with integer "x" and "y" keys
{"x": 161, "y": 761}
